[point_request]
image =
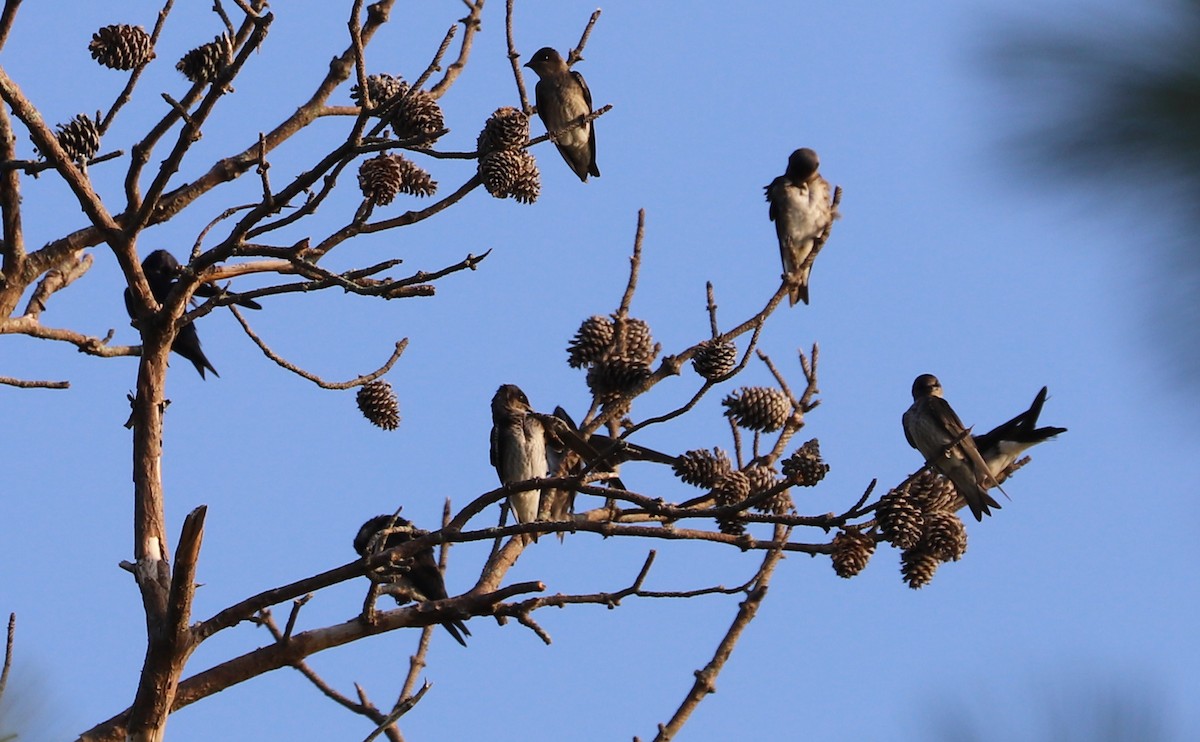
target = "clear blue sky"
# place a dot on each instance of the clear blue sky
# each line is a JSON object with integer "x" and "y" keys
{"x": 948, "y": 260}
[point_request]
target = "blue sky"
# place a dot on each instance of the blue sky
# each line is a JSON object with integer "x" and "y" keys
{"x": 949, "y": 259}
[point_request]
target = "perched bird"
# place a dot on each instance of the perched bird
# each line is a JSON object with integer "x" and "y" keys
{"x": 1001, "y": 446}
{"x": 600, "y": 455}
{"x": 419, "y": 579}
{"x": 518, "y": 449}
{"x": 162, "y": 271}
{"x": 562, "y": 99}
{"x": 933, "y": 428}
{"x": 802, "y": 210}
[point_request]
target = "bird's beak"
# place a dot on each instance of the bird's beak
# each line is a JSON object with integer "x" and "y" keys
{"x": 528, "y": 64}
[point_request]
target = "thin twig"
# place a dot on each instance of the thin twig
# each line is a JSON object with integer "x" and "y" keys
{"x": 357, "y": 381}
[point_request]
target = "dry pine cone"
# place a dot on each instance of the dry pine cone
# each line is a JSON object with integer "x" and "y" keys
{"x": 731, "y": 489}
{"x": 715, "y": 358}
{"x": 591, "y": 341}
{"x": 378, "y": 404}
{"x": 702, "y": 468}
{"x": 851, "y": 552}
{"x": 204, "y": 63}
{"x": 507, "y": 128}
{"x": 79, "y": 138}
{"x": 418, "y": 116}
{"x": 945, "y": 537}
{"x": 121, "y": 47}
{"x": 381, "y": 89}
{"x": 760, "y": 408}
{"x": 614, "y": 376}
{"x": 381, "y": 178}
{"x": 511, "y": 173}
{"x": 917, "y": 567}
{"x": 805, "y": 467}
{"x": 900, "y": 521}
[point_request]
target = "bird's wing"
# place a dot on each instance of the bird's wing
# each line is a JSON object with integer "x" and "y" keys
{"x": 587, "y": 94}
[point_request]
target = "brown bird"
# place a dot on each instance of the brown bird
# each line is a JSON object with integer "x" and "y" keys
{"x": 563, "y": 99}
{"x": 802, "y": 211}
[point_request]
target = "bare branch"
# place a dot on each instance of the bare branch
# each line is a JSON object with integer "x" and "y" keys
{"x": 34, "y": 384}
{"x": 576, "y": 54}
{"x": 357, "y": 381}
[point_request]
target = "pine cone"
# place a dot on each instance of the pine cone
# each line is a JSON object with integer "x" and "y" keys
{"x": 378, "y": 404}
{"x": 931, "y": 491}
{"x": 730, "y": 489}
{"x": 418, "y": 116}
{"x": 900, "y": 521}
{"x": 591, "y": 341}
{"x": 715, "y": 358}
{"x": 382, "y": 88}
{"x": 851, "y": 552}
{"x": 205, "y": 63}
{"x": 638, "y": 344}
{"x": 805, "y": 467}
{"x": 702, "y": 468}
{"x": 511, "y": 172}
{"x": 79, "y": 138}
{"x": 945, "y": 537}
{"x": 616, "y": 375}
{"x": 762, "y": 479}
{"x": 917, "y": 567}
{"x": 758, "y": 408}
{"x": 382, "y": 177}
{"x": 121, "y": 47}
{"x": 507, "y": 128}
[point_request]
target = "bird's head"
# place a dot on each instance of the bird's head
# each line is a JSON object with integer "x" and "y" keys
{"x": 508, "y": 399}
{"x": 546, "y": 61}
{"x": 161, "y": 263}
{"x": 803, "y": 164}
{"x": 399, "y": 530}
{"x": 926, "y": 385}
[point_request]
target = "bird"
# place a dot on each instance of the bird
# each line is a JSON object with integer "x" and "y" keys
{"x": 933, "y": 428}
{"x": 1002, "y": 445}
{"x": 599, "y": 455}
{"x": 802, "y": 210}
{"x": 162, "y": 272}
{"x": 419, "y": 579}
{"x": 563, "y": 99}
{"x": 518, "y": 448}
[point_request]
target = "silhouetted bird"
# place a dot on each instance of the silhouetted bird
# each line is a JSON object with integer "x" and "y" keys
{"x": 1002, "y": 445}
{"x": 932, "y": 427}
{"x": 419, "y": 579}
{"x": 802, "y": 210}
{"x": 162, "y": 271}
{"x": 562, "y": 99}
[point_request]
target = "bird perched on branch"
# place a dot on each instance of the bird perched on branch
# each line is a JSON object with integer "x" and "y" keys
{"x": 563, "y": 99}
{"x": 933, "y": 428}
{"x": 600, "y": 455}
{"x": 518, "y": 448}
{"x": 418, "y": 578}
{"x": 802, "y": 210}
{"x": 162, "y": 272}
{"x": 1002, "y": 445}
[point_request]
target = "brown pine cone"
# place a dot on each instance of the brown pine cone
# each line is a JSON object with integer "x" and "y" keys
{"x": 418, "y": 116}
{"x": 917, "y": 567}
{"x": 614, "y": 376}
{"x": 638, "y": 344}
{"x": 205, "y": 63}
{"x": 851, "y": 552}
{"x": 730, "y": 489}
{"x": 377, "y": 402}
{"x": 944, "y": 537}
{"x": 511, "y": 173}
{"x": 702, "y": 468}
{"x": 79, "y": 138}
{"x": 592, "y": 340}
{"x": 715, "y": 358}
{"x": 761, "y": 408}
{"x": 805, "y": 467}
{"x": 900, "y": 521}
{"x": 121, "y": 47}
{"x": 507, "y": 128}
{"x": 382, "y": 89}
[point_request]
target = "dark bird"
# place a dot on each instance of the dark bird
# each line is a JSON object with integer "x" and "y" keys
{"x": 1002, "y": 445}
{"x": 162, "y": 272}
{"x": 932, "y": 427}
{"x": 563, "y": 99}
{"x": 600, "y": 456}
{"x": 518, "y": 449}
{"x": 419, "y": 579}
{"x": 802, "y": 210}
